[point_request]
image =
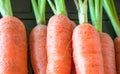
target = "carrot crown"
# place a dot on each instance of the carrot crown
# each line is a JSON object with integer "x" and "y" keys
{"x": 5, "y": 8}
{"x": 109, "y": 7}
{"x": 39, "y": 10}
{"x": 96, "y": 13}
{"x": 58, "y": 7}
{"x": 82, "y": 10}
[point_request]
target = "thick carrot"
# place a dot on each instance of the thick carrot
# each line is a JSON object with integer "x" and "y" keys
{"x": 110, "y": 9}
{"x": 108, "y": 52}
{"x": 37, "y": 39}
{"x": 13, "y": 57}
{"x": 38, "y": 51}
{"x": 13, "y": 42}
{"x": 117, "y": 53}
{"x": 87, "y": 52}
{"x": 59, "y": 38}
{"x": 107, "y": 44}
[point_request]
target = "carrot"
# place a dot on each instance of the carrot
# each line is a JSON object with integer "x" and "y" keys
{"x": 117, "y": 53}
{"x": 108, "y": 51}
{"x": 13, "y": 42}
{"x": 87, "y": 52}
{"x": 38, "y": 36}
{"x": 59, "y": 37}
{"x": 110, "y": 9}
{"x": 107, "y": 44}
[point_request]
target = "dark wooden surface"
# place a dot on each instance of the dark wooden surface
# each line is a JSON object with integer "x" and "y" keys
{"x": 23, "y": 10}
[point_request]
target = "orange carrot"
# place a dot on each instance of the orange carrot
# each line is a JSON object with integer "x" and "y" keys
{"x": 38, "y": 38}
{"x": 59, "y": 40}
{"x": 38, "y": 49}
{"x": 13, "y": 57}
{"x": 107, "y": 45}
{"x": 13, "y": 42}
{"x": 87, "y": 52}
{"x": 108, "y": 52}
{"x": 58, "y": 45}
{"x": 111, "y": 11}
{"x": 117, "y": 51}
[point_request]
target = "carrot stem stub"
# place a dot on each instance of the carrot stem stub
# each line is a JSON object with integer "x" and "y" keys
{"x": 39, "y": 10}
{"x": 82, "y": 11}
{"x": 59, "y": 7}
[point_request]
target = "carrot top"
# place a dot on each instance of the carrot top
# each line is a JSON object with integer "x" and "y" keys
{"x": 96, "y": 13}
{"x": 39, "y": 10}
{"x": 112, "y": 14}
{"x": 58, "y": 7}
{"x": 82, "y": 10}
{"x": 5, "y": 8}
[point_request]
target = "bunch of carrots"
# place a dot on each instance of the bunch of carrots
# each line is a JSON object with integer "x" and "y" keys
{"x": 61, "y": 47}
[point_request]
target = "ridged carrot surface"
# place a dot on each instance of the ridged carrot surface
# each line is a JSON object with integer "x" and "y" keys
{"x": 87, "y": 52}
{"x": 59, "y": 36}
{"x": 13, "y": 46}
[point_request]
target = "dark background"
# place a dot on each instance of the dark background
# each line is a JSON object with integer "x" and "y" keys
{"x": 23, "y": 10}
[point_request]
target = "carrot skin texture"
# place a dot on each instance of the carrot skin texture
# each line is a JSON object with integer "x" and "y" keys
{"x": 38, "y": 51}
{"x": 117, "y": 53}
{"x": 13, "y": 46}
{"x": 108, "y": 52}
{"x": 59, "y": 37}
{"x": 87, "y": 50}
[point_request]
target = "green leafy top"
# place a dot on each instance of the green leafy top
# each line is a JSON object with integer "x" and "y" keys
{"x": 39, "y": 10}
{"x": 58, "y": 7}
{"x": 5, "y": 8}
{"x": 82, "y": 10}
{"x": 96, "y": 13}
{"x": 112, "y": 14}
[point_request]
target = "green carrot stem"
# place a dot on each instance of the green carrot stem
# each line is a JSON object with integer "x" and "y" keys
{"x": 112, "y": 14}
{"x": 5, "y": 8}
{"x": 82, "y": 11}
{"x": 59, "y": 7}
{"x": 42, "y": 7}
{"x": 98, "y": 10}
{"x": 92, "y": 11}
{"x": 96, "y": 13}
{"x": 39, "y": 10}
